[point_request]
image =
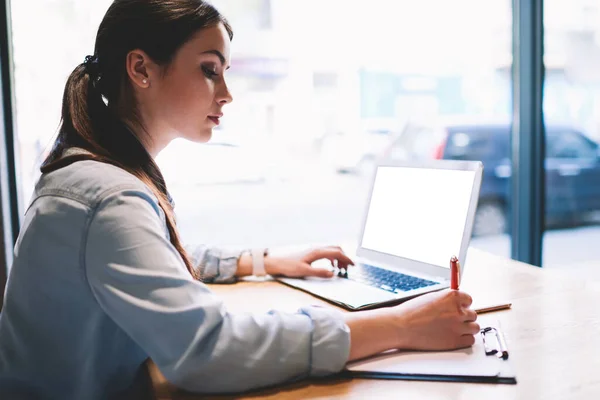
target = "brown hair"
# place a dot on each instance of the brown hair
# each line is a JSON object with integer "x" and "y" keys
{"x": 98, "y": 96}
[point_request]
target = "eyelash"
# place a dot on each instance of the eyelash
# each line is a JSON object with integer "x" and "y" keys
{"x": 209, "y": 73}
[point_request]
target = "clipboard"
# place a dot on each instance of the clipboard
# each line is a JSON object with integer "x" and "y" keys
{"x": 487, "y": 361}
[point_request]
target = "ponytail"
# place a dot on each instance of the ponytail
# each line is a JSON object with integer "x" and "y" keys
{"x": 89, "y": 123}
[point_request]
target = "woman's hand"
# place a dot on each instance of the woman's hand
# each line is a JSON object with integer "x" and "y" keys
{"x": 300, "y": 265}
{"x": 435, "y": 321}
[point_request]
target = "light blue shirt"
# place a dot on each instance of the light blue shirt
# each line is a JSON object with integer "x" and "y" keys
{"x": 96, "y": 288}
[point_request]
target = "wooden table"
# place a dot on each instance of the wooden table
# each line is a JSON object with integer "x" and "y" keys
{"x": 552, "y": 331}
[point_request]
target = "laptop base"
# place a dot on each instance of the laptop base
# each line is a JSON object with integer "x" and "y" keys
{"x": 345, "y": 293}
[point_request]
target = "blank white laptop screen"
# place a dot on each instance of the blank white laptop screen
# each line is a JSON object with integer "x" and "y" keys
{"x": 418, "y": 213}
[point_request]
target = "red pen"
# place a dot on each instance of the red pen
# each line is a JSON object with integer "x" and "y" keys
{"x": 454, "y": 273}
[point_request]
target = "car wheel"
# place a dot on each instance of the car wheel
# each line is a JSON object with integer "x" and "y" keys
{"x": 490, "y": 219}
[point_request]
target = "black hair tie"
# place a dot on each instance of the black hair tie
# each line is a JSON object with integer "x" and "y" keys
{"x": 92, "y": 67}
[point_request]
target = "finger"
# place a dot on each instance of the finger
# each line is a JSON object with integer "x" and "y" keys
{"x": 471, "y": 328}
{"x": 469, "y": 315}
{"x": 319, "y": 272}
{"x": 466, "y": 341}
{"x": 465, "y": 299}
{"x": 332, "y": 254}
{"x": 335, "y": 247}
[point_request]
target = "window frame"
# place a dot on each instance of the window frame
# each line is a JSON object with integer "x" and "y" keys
{"x": 528, "y": 142}
{"x": 10, "y": 210}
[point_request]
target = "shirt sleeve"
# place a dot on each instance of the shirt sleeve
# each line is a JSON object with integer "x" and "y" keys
{"x": 141, "y": 282}
{"x": 215, "y": 265}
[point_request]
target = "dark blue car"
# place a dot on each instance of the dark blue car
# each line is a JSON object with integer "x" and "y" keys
{"x": 572, "y": 170}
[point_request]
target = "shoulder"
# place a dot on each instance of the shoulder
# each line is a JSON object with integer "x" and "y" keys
{"x": 91, "y": 182}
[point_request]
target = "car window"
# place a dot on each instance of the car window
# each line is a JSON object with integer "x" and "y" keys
{"x": 470, "y": 144}
{"x": 569, "y": 144}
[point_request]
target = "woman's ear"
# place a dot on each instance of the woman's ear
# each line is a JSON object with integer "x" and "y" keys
{"x": 140, "y": 68}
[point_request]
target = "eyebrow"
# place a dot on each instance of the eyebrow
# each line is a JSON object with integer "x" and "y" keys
{"x": 218, "y": 54}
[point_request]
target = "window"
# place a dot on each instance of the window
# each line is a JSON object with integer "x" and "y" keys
{"x": 322, "y": 89}
{"x": 572, "y": 118}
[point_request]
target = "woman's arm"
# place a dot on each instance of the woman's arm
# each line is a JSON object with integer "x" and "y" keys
{"x": 225, "y": 266}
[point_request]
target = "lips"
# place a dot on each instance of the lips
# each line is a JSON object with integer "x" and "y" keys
{"x": 214, "y": 119}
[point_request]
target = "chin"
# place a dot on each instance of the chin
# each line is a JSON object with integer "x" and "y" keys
{"x": 200, "y": 137}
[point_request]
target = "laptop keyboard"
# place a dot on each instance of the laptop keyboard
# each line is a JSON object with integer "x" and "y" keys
{"x": 385, "y": 279}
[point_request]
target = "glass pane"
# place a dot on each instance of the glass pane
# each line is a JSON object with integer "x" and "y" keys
{"x": 319, "y": 98}
{"x": 572, "y": 118}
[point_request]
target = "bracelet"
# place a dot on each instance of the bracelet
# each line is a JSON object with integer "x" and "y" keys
{"x": 258, "y": 262}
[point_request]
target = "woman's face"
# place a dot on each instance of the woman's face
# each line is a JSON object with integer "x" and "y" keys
{"x": 186, "y": 99}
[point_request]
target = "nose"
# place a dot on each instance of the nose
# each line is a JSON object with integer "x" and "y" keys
{"x": 224, "y": 95}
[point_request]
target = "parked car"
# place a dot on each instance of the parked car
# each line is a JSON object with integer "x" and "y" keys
{"x": 349, "y": 153}
{"x": 353, "y": 152}
{"x": 572, "y": 168}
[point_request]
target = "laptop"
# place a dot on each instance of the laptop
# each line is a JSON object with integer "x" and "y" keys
{"x": 418, "y": 215}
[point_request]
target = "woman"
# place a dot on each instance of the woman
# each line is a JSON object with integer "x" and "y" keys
{"x": 101, "y": 281}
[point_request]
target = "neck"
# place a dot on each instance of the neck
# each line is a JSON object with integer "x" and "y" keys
{"x": 145, "y": 153}
{"x": 147, "y": 138}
